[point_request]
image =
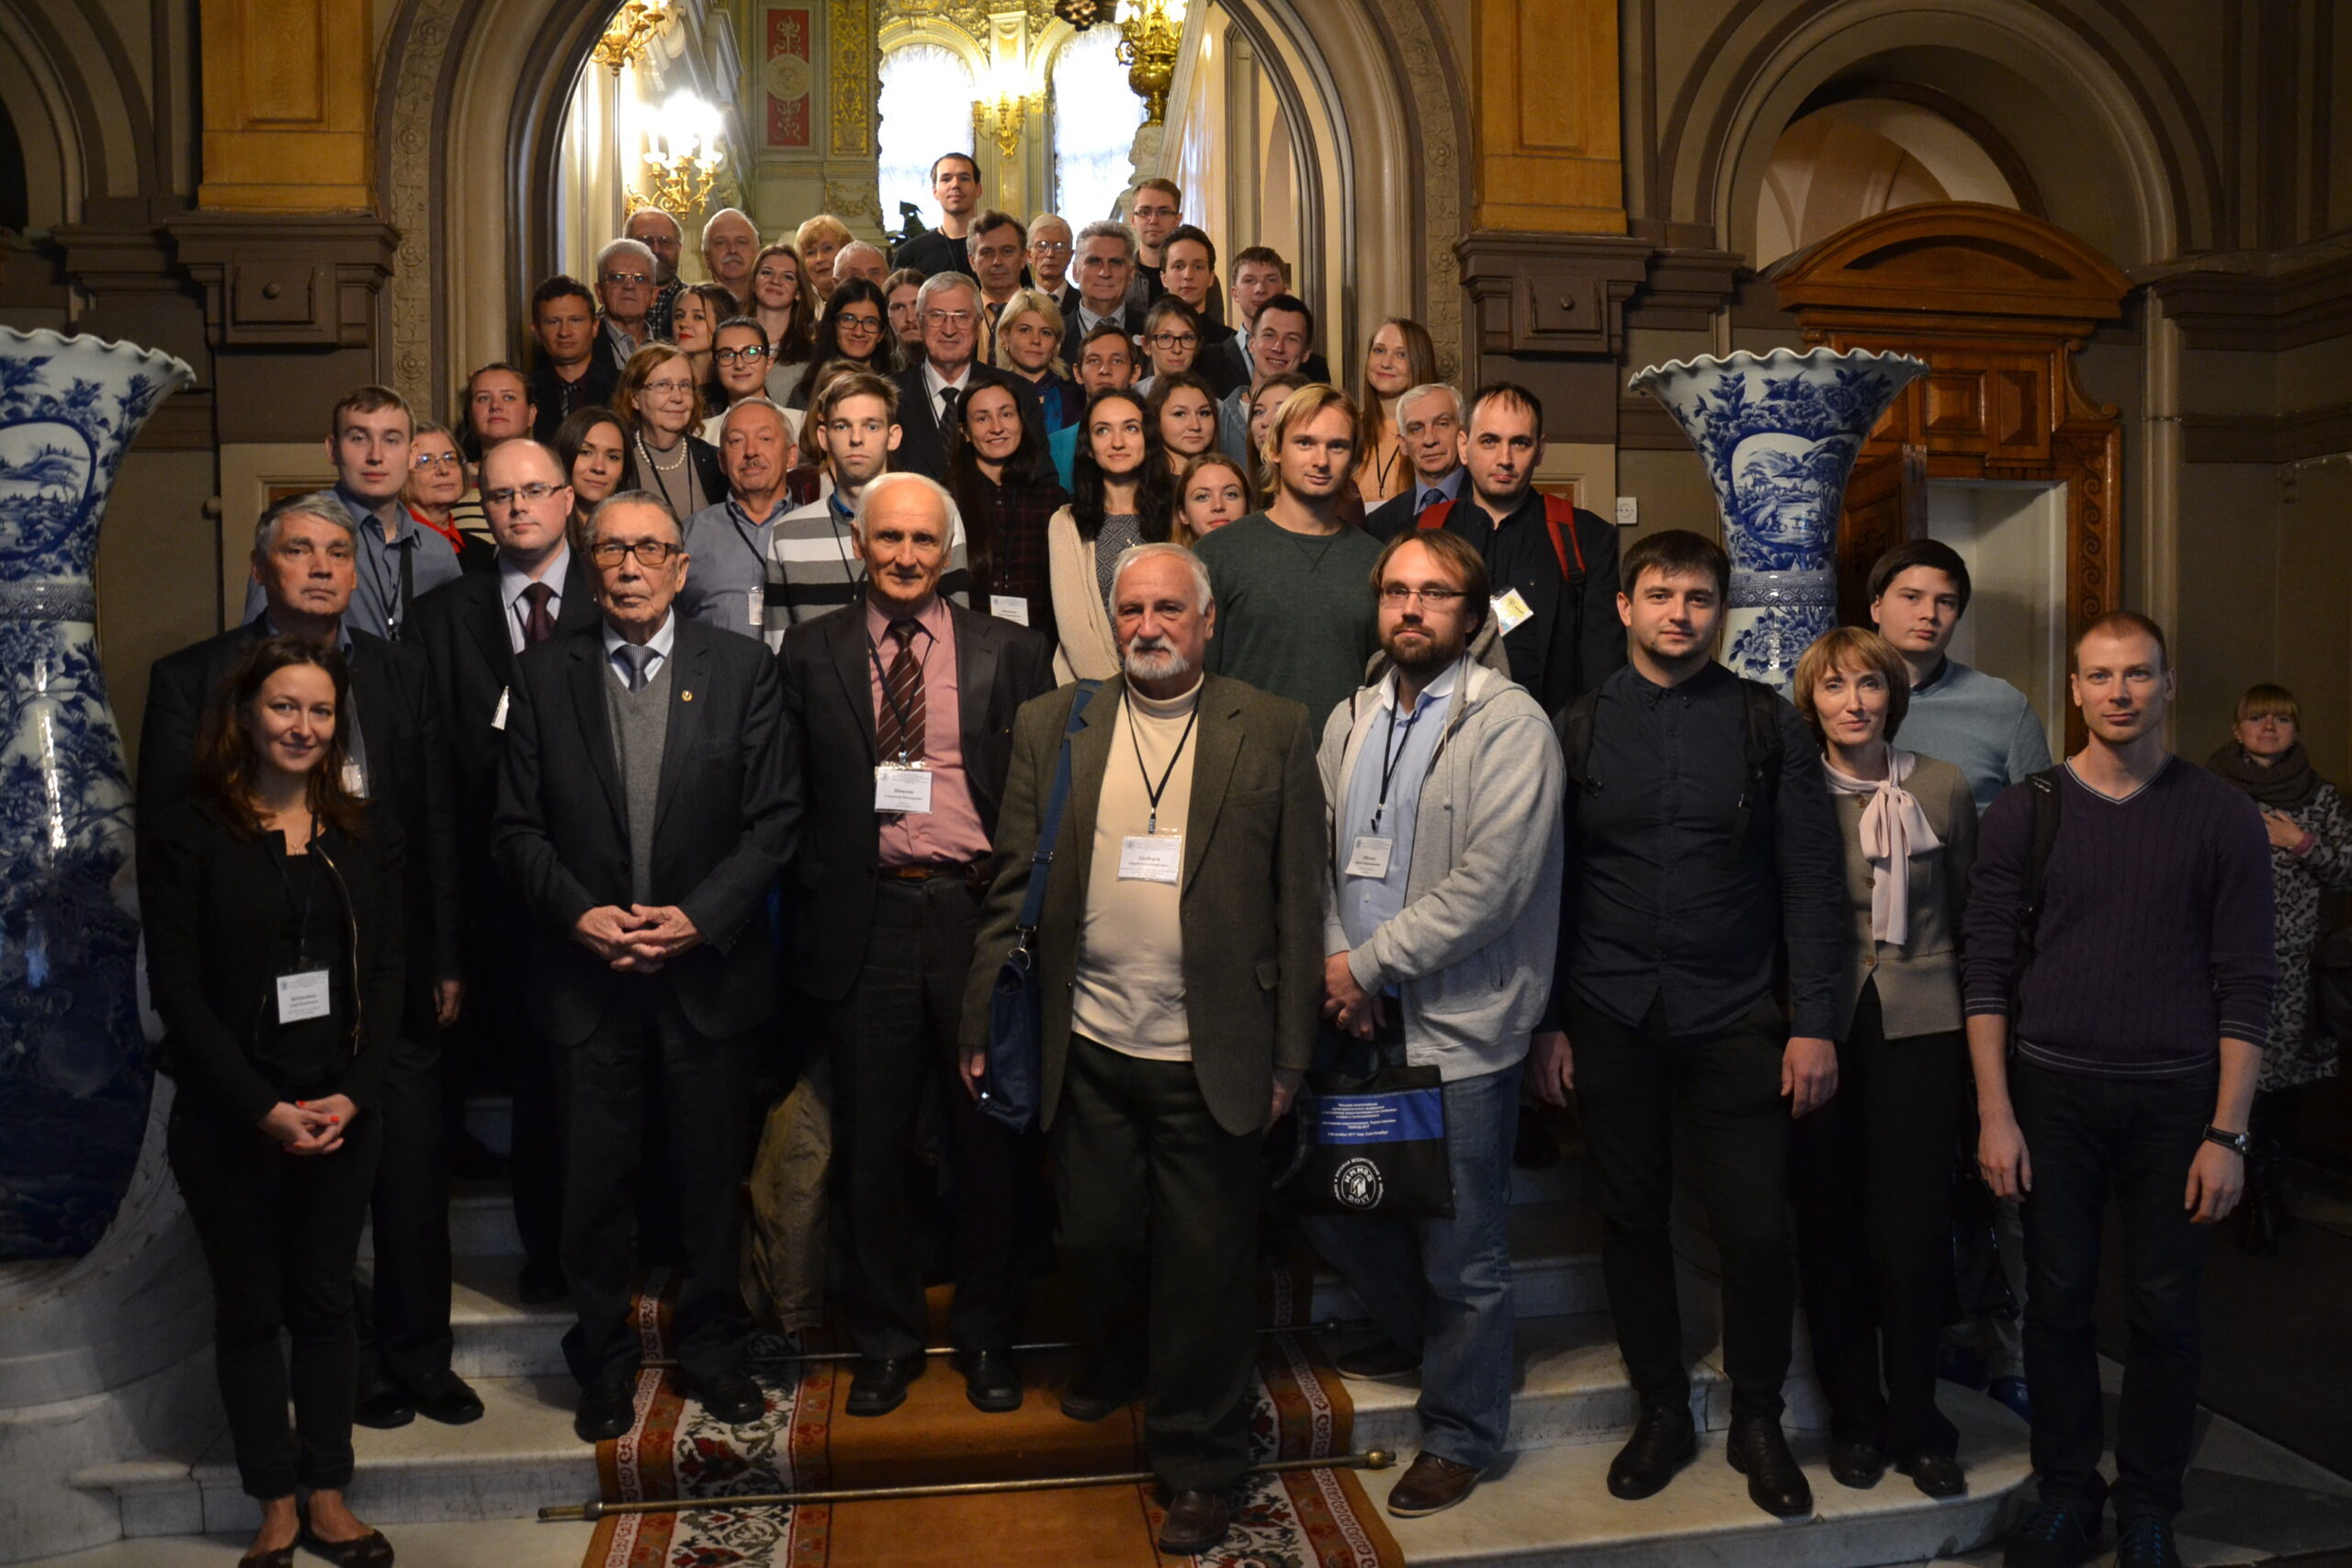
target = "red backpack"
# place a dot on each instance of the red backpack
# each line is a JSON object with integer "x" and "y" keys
{"x": 1559, "y": 516}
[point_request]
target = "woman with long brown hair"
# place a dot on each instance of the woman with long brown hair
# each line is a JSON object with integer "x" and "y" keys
{"x": 786, "y": 307}
{"x": 1400, "y": 357}
{"x": 272, "y": 905}
{"x": 1002, "y": 479}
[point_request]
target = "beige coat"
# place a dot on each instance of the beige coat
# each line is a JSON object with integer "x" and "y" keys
{"x": 1918, "y": 982}
{"x": 1089, "y": 652}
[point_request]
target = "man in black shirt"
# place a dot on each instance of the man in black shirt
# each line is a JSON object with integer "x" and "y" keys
{"x": 571, "y": 374}
{"x": 1554, "y": 565}
{"x": 956, "y": 185}
{"x": 1701, "y": 844}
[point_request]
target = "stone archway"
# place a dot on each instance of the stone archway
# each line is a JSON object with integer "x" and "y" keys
{"x": 474, "y": 89}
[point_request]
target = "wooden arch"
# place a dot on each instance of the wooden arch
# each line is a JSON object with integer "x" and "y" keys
{"x": 1998, "y": 304}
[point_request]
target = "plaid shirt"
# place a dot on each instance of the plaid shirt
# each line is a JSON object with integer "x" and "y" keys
{"x": 1013, "y": 522}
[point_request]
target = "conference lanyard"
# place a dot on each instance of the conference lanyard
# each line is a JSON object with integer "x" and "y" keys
{"x": 1391, "y": 756}
{"x": 1151, "y": 823}
{"x": 898, "y": 709}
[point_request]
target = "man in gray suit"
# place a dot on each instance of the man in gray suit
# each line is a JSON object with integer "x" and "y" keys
{"x": 1181, "y": 954}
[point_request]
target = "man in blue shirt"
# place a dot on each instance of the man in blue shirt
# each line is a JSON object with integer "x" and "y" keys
{"x": 1441, "y": 949}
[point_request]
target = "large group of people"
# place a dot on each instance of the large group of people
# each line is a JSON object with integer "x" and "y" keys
{"x": 689, "y": 722}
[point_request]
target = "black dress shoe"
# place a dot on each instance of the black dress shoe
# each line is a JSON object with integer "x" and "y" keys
{"x": 383, "y": 1407}
{"x": 992, "y": 1380}
{"x": 1195, "y": 1522}
{"x": 732, "y": 1397}
{"x": 1101, "y": 1387}
{"x": 1383, "y": 1361}
{"x": 1857, "y": 1464}
{"x": 370, "y": 1550}
{"x": 606, "y": 1410}
{"x": 283, "y": 1557}
{"x": 449, "y": 1400}
{"x": 880, "y": 1385}
{"x": 1937, "y": 1475}
{"x": 1758, "y": 1450}
{"x": 1663, "y": 1440}
{"x": 542, "y": 1284}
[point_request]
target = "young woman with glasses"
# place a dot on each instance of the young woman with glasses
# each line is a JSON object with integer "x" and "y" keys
{"x": 855, "y": 328}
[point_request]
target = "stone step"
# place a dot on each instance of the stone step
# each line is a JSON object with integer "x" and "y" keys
{"x": 497, "y": 1336}
{"x": 1555, "y": 1261}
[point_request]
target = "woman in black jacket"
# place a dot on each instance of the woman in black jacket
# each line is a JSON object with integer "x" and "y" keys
{"x": 272, "y": 905}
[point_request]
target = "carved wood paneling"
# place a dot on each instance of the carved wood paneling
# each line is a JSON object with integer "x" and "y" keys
{"x": 1549, "y": 155}
{"x": 286, "y": 106}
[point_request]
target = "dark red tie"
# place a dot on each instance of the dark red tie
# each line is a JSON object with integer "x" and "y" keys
{"x": 899, "y": 727}
{"x": 537, "y": 624}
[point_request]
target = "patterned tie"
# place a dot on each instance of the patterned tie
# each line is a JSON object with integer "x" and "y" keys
{"x": 538, "y": 624}
{"x": 637, "y": 656}
{"x": 1431, "y": 498}
{"x": 899, "y": 727}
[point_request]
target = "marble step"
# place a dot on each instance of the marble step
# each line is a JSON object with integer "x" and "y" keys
{"x": 1550, "y": 1508}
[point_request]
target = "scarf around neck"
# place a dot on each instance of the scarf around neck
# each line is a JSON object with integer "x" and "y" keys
{"x": 1894, "y": 829}
{"x": 2284, "y": 785}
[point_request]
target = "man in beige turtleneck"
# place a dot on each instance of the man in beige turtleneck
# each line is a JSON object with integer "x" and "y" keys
{"x": 1179, "y": 956}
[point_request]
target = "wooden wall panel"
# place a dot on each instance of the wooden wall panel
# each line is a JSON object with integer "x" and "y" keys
{"x": 1548, "y": 157}
{"x": 286, "y": 106}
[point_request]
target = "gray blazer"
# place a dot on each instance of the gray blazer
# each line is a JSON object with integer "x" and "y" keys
{"x": 1918, "y": 982}
{"x": 1252, "y": 899}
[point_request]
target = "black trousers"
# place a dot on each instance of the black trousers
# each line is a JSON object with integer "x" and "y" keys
{"x": 1634, "y": 1085}
{"x": 1154, "y": 1192}
{"x": 536, "y": 1163}
{"x": 892, "y": 1039}
{"x": 404, "y": 1320}
{"x": 1870, "y": 1173}
{"x": 2092, "y": 1139}
{"x": 706, "y": 1099}
{"x": 280, "y": 1236}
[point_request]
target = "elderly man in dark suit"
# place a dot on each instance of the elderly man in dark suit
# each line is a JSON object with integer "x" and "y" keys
{"x": 1179, "y": 954}
{"x": 304, "y": 563}
{"x": 948, "y": 313}
{"x": 471, "y": 632}
{"x": 649, "y": 797}
{"x": 910, "y": 698}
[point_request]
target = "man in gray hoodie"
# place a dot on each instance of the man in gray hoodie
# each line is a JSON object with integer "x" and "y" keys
{"x": 1443, "y": 783}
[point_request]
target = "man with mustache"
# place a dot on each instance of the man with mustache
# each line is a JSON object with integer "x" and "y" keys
{"x": 1179, "y": 952}
{"x": 1419, "y": 926}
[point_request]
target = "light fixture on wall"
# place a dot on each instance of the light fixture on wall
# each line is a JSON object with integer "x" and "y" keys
{"x": 1150, "y": 34}
{"x": 632, "y": 30}
{"x": 683, "y": 151}
{"x": 1002, "y": 118}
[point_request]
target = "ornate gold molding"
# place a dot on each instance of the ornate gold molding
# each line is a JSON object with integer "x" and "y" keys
{"x": 854, "y": 77}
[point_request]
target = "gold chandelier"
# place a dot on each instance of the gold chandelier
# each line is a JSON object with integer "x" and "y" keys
{"x": 633, "y": 28}
{"x": 1002, "y": 119}
{"x": 1150, "y": 34}
{"x": 683, "y": 152}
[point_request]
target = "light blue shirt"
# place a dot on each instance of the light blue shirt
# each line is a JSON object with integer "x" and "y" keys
{"x": 376, "y": 605}
{"x": 1402, "y": 747}
{"x": 731, "y": 557}
{"x": 664, "y": 638}
{"x": 1449, "y": 488}
{"x": 1978, "y": 723}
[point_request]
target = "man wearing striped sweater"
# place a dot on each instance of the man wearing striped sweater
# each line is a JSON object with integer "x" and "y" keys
{"x": 2117, "y": 1036}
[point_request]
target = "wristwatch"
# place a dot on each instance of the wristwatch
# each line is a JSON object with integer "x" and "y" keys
{"x": 2237, "y": 1142}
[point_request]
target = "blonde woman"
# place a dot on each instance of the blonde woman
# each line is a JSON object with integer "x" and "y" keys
{"x": 818, "y": 239}
{"x": 1029, "y": 344}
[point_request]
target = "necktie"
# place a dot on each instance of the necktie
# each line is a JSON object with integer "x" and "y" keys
{"x": 638, "y": 655}
{"x": 1431, "y": 498}
{"x": 538, "y": 624}
{"x": 947, "y": 396}
{"x": 899, "y": 727}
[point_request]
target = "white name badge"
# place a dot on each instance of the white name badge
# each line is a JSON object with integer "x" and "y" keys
{"x": 1151, "y": 857}
{"x": 301, "y": 995}
{"x": 1370, "y": 857}
{"x": 901, "y": 789}
{"x": 758, "y": 615}
{"x": 1008, "y": 608}
{"x": 355, "y": 777}
{"x": 1510, "y": 611}
{"x": 498, "y": 719}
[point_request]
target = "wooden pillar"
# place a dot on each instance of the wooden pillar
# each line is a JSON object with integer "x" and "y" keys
{"x": 1549, "y": 159}
{"x": 288, "y": 90}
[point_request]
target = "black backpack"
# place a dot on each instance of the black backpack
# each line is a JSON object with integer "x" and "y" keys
{"x": 1759, "y": 704}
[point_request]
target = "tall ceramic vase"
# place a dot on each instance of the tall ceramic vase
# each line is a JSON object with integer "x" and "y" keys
{"x": 73, "y": 1071}
{"x": 1780, "y": 433}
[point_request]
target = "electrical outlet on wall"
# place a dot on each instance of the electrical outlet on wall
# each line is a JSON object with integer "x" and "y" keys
{"x": 1629, "y": 510}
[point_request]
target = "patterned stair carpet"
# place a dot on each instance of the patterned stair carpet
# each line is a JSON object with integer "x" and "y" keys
{"x": 1311, "y": 1519}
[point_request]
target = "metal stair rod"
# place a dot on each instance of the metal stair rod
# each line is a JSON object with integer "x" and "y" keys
{"x": 1371, "y": 1459}
{"x": 1328, "y": 1325}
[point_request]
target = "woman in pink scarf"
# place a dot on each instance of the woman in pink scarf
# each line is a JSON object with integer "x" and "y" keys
{"x": 1871, "y": 1169}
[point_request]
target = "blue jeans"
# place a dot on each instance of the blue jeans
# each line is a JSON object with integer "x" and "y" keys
{"x": 1443, "y": 1287}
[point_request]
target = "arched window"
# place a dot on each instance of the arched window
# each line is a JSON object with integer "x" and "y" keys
{"x": 1095, "y": 114}
{"x": 926, "y": 110}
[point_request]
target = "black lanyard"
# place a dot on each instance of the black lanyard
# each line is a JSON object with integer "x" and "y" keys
{"x": 923, "y": 662}
{"x": 1151, "y": 823}
{"x": 303, "y": 910}
{"x": 1391, "y": 756}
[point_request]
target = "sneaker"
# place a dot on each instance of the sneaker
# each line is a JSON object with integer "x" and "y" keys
{"x": 2059, "y": 1535}
{"x": 2146, "y": 1540}
{"x": 1383, "y": 1361}
{"x": 2012, "y": 1393}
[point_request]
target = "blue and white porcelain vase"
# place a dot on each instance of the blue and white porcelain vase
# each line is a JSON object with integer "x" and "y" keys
{"x": 74, "y": 1066}
{"x": 1780, "y": 433}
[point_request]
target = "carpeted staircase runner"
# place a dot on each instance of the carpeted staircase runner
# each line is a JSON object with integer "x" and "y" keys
{"x": 1314, "y": 1518}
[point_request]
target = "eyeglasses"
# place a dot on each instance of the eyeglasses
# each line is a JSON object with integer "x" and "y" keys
{"x": 948, "y": 317}
{"x": 1175, "y": 340}
{"x": 607, "y": 553}
{"x": 858, "y": 323}
{"x": 750, "y": 354}
{"x": 424, "y": 460}
{"x": 534, "y": 493}
{"x": 666, "y": 386}
{"x": 1049, "y": 248}
{"x": 1396, "y": 593}
{"x": 627, "y": 278}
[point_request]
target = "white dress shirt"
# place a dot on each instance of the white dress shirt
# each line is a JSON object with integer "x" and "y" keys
{"x": 513, "y": 580}
{"x": 665, "y": 636}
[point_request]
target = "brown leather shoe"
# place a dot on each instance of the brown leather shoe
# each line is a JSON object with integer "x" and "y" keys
{"x": 1195, "y": 1522}
{"x": 1431, "y": 1486}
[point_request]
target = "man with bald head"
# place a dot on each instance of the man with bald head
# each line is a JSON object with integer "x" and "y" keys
{"x": 858, "y": 259}
{"x": 662, "y": 234}
{"x": 736, "y": 583}
{"x": 729, "y": 243}
{"x": 646, "y": 888}
{"x": 924, "y": 690}
{"x": 471, "y": 631}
